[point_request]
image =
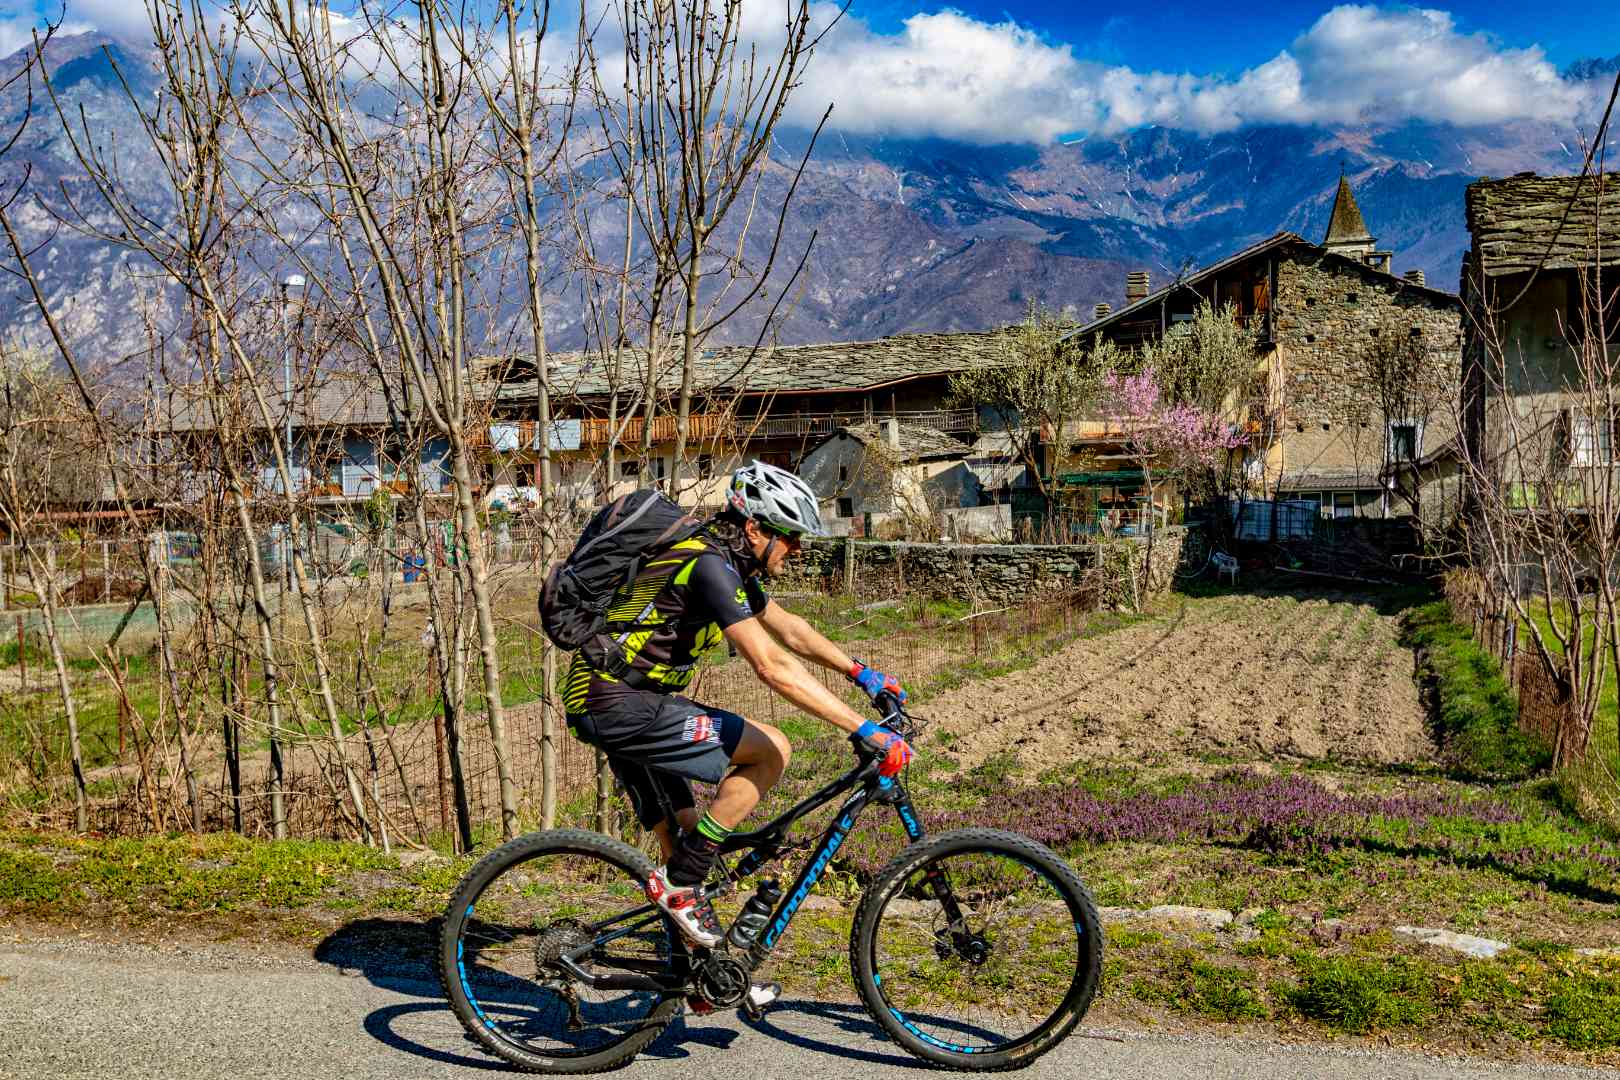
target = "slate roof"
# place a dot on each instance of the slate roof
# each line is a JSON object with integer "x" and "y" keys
{"x": 788, "y": 369}
{"x": 1526, "y": 222}
{"x": 1346, "y": 225}
{"x": 332, "y": 398}
{"x": 1271, "y": 243}
{"x": 917, "y": 443}
{"x": 1329, "y": 482}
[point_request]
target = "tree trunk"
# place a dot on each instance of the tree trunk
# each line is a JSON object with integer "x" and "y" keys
{"x": 483, "y": 609}
{"x": 46, "y": 591}
{"x": 689, "y": 344}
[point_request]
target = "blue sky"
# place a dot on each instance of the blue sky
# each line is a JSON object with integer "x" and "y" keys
{"x": 1225, "y": 38}
{"x": 1036, "y": 71}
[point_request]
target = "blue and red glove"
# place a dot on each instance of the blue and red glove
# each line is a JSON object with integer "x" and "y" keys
{"x": 880, "y": 740}
{"x": 874, "y": 682}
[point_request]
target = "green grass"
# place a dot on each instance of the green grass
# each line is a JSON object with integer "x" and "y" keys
{"x": 1477, "y": 714}
{"x": 1359, "y": 996}
{"x": 211, "y": 872}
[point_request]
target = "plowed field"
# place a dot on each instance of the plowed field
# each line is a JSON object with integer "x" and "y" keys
{"x": 1240, "y": 676}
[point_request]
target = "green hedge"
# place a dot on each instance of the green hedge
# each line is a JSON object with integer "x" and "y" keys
{"x": 1476, "y": 716}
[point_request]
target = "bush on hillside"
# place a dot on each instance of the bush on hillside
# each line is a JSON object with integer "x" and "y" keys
{"x": 1475, "y": 712}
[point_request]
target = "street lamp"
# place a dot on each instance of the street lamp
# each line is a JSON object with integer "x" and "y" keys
{"x": 288, "y": 284}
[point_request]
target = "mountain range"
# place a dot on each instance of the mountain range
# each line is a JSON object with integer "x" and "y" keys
{"x": 909, "y": 235}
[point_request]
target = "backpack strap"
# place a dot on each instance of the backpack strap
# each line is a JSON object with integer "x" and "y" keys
{"x": 608, "y": 652}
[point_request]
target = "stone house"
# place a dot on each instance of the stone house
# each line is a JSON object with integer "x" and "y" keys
{"x": 1318, "y": 430}
{"x": 1530, "y": 284}
{"x": 775, "y": 405}
{"x": 345, "y": 436}
{"x": 890, "y": 468}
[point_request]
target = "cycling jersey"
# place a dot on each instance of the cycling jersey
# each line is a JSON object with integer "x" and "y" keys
{"x": 665, "y": 620}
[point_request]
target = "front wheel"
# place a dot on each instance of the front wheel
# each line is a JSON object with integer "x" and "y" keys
{"x": 977, "y": 949}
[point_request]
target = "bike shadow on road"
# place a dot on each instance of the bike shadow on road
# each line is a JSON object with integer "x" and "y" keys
{"x": 851, "y": 1021}
{"x": 397, "y": 955}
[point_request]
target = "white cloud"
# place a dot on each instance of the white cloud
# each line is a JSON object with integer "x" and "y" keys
{"x": 949, "y": 75}
{"x": 953, "y": 76}
{"x": 120, "y": 18}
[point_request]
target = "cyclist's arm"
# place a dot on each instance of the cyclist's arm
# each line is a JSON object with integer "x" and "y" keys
{"x": 801, "y": 638}
{"x": 781, "y": 671}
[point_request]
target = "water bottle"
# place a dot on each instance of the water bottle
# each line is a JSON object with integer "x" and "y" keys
{"x": 755, "y": 914}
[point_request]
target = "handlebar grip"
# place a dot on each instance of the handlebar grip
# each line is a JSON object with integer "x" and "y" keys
{"x": 888, "y": 706}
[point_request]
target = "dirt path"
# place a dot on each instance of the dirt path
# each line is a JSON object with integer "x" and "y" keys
{"x": 1243, "y": 675}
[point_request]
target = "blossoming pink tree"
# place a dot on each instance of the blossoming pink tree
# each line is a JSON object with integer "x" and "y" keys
{"x": 1164, "y": 438}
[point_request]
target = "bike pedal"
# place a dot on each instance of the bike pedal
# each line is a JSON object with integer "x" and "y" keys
{"x": 752, "y": 1011}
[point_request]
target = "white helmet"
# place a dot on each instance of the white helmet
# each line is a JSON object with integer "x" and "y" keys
{"x": 775, "y": 496}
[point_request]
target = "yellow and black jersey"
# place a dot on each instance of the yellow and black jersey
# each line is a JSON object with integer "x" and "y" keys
{"x": 665, "y": 620}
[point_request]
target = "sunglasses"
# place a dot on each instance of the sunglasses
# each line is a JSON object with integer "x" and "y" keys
{"x": 785, "y": 534}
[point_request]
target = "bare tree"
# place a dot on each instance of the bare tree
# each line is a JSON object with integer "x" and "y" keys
{"x": 690, "y": 128}
{"x": 1039, "y": 396}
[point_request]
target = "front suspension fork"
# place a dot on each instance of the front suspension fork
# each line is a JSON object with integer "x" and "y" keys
{"x": 939, "y": 883}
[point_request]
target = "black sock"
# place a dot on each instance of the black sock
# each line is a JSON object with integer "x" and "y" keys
{"x": 695, "y": 853}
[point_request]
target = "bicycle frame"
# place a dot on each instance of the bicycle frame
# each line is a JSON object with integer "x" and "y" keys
{"x": 763, "y": 845}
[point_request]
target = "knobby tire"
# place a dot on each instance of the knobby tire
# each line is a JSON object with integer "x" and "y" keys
{"x": 1056, "y": 873}
{"x": 578, "y": 842}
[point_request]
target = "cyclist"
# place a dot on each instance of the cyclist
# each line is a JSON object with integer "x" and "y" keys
{"x": 681, "y": 605}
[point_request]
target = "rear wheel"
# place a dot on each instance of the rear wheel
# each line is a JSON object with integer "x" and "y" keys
{"x": 998, "y": 986}
{"x": 510, "y": 921}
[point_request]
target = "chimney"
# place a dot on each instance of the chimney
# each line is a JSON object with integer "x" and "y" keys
{"x": 1136, "y": 286}
{"x": 1415, "y": 277}
{"x": 1101, "y": 312}
{"x": 891, "y": 433}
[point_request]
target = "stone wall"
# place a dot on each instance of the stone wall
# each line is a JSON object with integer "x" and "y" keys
{"x": 1324, "y": 334}
{"x": 990, "y": 573}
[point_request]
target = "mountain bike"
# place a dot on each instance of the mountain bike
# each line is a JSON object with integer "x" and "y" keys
{"x": 974, "y": 949}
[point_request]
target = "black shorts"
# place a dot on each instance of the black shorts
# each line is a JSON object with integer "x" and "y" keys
{"x": 657, "y": 744}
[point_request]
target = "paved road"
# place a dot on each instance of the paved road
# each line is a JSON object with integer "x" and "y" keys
{"x": 83, "y": 1009}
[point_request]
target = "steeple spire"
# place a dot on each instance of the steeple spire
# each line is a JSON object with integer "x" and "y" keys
{"x": 1346, "y": 227}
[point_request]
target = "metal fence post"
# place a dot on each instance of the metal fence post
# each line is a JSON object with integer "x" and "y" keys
{"x": 106, "y": 574}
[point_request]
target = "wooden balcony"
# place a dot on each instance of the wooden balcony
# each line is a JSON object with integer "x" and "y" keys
{"x": 805, "y": 425}
{"x": 596, "y": 431}
{"x": 700, "y": 428}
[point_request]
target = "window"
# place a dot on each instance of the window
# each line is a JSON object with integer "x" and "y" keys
{"x": 846, "y": 507}
{"x": 1309, "y": 338}
{"x": 705, "y": 466}
{"x": 1350, "y": 298}
{"x": 1314, "y": 498}
{"x": 1344, "y": 504}
{"x": 629, "y": 469}
{"x": 1404, "y": 440}
{"x": 1310, "y": 301}
{"x": 1591, "y": 440}
{"x": 843, "y": 476}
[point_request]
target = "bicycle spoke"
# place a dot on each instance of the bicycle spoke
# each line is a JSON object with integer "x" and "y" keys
{"x": 991, "y": 980}
{"x": 521, "y": 925}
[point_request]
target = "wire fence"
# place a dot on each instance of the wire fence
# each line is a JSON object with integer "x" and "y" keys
{"x": 401, "y": 755}
{"x": 1546, "y": 708}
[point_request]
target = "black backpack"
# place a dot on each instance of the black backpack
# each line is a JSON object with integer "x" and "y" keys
{"x": 615, "y": 545}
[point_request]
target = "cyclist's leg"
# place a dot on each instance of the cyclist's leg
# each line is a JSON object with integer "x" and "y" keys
{"x": 761, "y": 757}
